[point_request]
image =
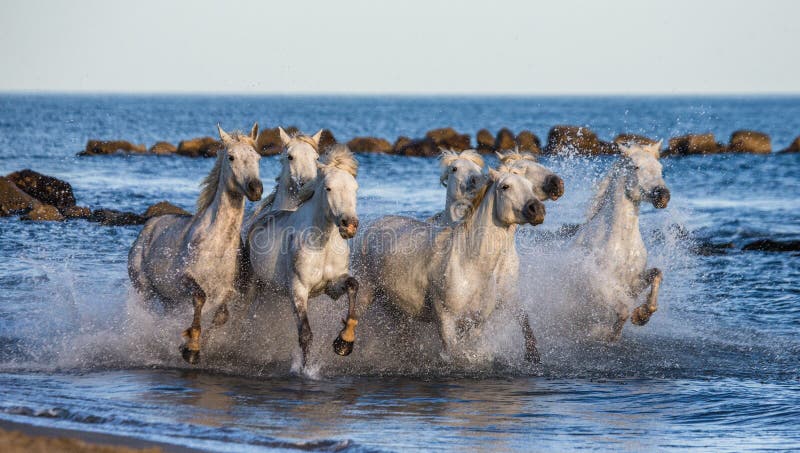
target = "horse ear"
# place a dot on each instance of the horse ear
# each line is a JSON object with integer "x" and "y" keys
{"x": 285, "y": 139}
{"x": 624, "y": 148}
{"x": 254, "y": 131}
{"x": 316, "y": 137}
{"x": 655, "y": 149}
{"x": 224, "y": 135}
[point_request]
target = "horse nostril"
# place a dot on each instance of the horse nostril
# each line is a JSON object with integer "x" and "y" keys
{"x": 554, "y": 187}
{"x": 535, "y": 211}
{"x": 255, "y": 188}
{"x": 661, "y": 197}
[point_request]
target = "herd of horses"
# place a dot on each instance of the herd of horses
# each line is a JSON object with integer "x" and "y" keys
{"x": 454, "y": 269}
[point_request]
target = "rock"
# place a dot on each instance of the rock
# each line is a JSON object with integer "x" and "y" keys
{"x": 12, "y": 199}
{"x": 164, "y": 208}
{"x": 401, "y": 142}
{"x": 112, "y": 217}
{"x": 485, "y": 141}
{"x": 634, "y": 139}
{"x": 744, "y": 141}
{"x": 76, "y": 212}
{"x": 44, "y": 188}
{"x": 449, "y": 138}
{"x": 794, "y": 147}
{"x": 104, "y": 147}
{"x": 269, "y": 140}
{"x": 769, "y": 245}
{"x": 369, "y": 145}
{"x": 421, "y": 147}
{"x": 528, "y": 141}
{"x": 576, "y": 139}
{"x": 326, "y": 140}
{"x": 504, "y": 140}
{"x": 199, "y": 147}
{"x": 162, "y": 148}
{"x": 43, "y": 213}
{"x": 693, "y": 144}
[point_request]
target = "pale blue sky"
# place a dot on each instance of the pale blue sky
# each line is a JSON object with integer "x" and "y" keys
{"x": 410, "y": 46}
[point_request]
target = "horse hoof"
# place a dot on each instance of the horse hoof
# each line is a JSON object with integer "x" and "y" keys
{"x": 533, "y": 357}
{"x": 191, "y": 357}
{"x": 640, "y": 316}
{"x": 342, "y": 347}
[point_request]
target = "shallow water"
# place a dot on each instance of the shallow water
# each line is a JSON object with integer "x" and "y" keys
{"x": 716, "y": 367}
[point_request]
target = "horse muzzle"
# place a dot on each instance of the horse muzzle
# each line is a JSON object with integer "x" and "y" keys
{"x": 348, "y": 227}
{"x": 553, "y": 187}
{"x": 660, "y": 197}
{"x": 254, "y": 190}
{"x": 535, "y": 212}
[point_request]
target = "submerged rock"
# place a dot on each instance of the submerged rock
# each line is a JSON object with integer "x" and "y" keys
{"x": 770, "y": 245}
{"x": 76, "y": 212}
{"x": 449, "y": 138}
{"x": 326, "y": 140}
{"x": 528, "y": 141}
{"x": 369, "y": 145}
{"x": 269, "y": 141}
{"x": 13, "y": 200}
{"x": 693, "y": 144}
{"x": 43, "y": 213}
{"x": 164, "y": 208}
{"x": 750, "y": 142}
{"x": 162, "y": 148}
{"x": 47, "y": 189}
{"x": 199, "y": 147}
{"x": 485, "y": 141}
{"x": 578, "y": 140}
{"x": 112, "y": 217}
{"x": 105, "y": 147}
{"x": 794, "y": 147}
{"x": 504, "y": 140}
{"x": 634, "y": 139}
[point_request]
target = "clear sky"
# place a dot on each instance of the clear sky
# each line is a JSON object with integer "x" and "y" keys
{"x": 406, "y": 46}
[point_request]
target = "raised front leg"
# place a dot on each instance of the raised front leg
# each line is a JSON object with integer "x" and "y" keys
{"x": 531, "y": 352}
{"x": 304, "y": 335}
{"x": 343, "y": 344}
{"x": 190, "y": 350}
{"x": 641, "y": 314}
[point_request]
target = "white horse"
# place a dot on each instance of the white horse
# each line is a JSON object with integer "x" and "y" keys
{"x": 446, "y": 274}
{"x": 546, "y": 184}
{"x": 304, "y": 253}
{"x": 298, "y": 167}
{"x": 615, "y": 270}
{"x": 462, "y": 175}
{"x": 181, "y": 259}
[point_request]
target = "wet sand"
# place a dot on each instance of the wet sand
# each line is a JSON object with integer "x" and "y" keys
{"x": 24, "y": 438}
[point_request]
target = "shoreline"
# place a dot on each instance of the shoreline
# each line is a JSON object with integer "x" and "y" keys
{"x": 22, "y": 437}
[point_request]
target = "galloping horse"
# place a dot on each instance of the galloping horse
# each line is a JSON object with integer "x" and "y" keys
{"x": 615, "y": 267}
{"x": 180, "y": 259}
{"x": 446, "y": 274}
{"x": 462, "y": 175}
{"x": 303, "y": 253}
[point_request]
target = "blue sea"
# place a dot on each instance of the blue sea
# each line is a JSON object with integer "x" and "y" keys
{"x": 717, "y": 367}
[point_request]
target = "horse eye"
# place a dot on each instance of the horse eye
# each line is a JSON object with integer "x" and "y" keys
{"x": 289, "y": 157}
{"x": 505, "y": 187}
{"x": 455, "y": 169}
{"x": 230, "y": 158}
{"x": 328, "y": 189}
{"x": 636, "y": 167}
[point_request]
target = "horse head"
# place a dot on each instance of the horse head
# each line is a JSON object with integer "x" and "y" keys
{"x": 546, "y": 184}
{"x": 515, "y": 201}
{"x": 644, "y": 177}
{"x": 299, "y": 159}
{"x": 238, "y": 164}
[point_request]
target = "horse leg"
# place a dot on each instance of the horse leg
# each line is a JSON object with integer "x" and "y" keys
{"x": 448, "y": 332}
{"x": 641, "y": 314}
{"x": 531, "y": 352}
{"x": 304, "y": 335}
{"x": 343, "y": 344}
{"x": 190, "y": 350}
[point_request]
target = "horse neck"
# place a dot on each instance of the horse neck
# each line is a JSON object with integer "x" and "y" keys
{"x": 312, "y": 213}
{"x": 225, "y": 213}
{"x": 481, "y": 238}
{"x": 283, "y": 199}
{"x": 451, "y": 201}
{"x": 616, "y": 216}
